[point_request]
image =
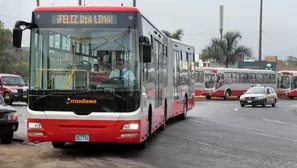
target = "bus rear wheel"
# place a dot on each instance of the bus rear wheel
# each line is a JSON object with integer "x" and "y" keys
{"x": 208, "y": 97}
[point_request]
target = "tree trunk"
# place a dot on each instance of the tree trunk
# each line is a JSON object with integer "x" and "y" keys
{"x": 227, "y": 62}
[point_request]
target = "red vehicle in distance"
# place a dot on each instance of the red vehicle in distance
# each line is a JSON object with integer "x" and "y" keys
{"x": 13, "y": 88}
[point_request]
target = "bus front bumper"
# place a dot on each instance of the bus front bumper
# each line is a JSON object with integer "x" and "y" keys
{"x": 92, "y": 130}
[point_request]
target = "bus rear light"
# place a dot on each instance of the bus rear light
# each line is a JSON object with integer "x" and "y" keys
{"x": 34, "y": 125}
{"x": 129, "y": 135}
{"x": 35, "y": 133}
{"x": 130, "y": 127}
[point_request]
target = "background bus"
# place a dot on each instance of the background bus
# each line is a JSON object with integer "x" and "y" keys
{"x": 199, "y": 81}
{"x": 226, "y": 82}
{"x": 287, "y": 83}
{"x": 65, "y": 92}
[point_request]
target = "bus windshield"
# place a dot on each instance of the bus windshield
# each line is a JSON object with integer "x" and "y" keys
{"x": 283, "y": 82}
{"x": 81, "y": 51}
{"x": 209, "y": 80}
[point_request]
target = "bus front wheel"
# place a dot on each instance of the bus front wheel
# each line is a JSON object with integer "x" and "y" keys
{"x": 58, "y": 144}
{"x": 227, "y": 94}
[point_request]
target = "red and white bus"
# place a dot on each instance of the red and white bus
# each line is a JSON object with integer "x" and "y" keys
{"x": 226, "y": 82}
{"x": 70, "y": 103}
{"x": 287, "y": 83}
{"x": 199, "y": 81}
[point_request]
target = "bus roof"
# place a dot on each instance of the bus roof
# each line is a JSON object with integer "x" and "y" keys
{"x": 237, "y": 70}
{"x": 85, "y": 9}
{"x": 290, "y": 72}
{"x": 181, "y": 43}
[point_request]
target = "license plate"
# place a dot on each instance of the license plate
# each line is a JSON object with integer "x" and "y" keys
{"x": 249, "y": 101}
{"x": 25, "y": 96}
{"x": 82, "y": 138}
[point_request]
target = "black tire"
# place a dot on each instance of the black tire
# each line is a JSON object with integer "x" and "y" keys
{"x": 242, "y": 105}
{"x": 58, "y": 145}
{"x": 143, "y": 144}
{"x": 264, "y": 103}
{"x": 291, "y": 97}
{"x": 254, "y": 105}
{"x": 7, "y": 139}
{"x": 7, "y": 99}
{"x": 274, "y": 103}
{"x": 227, "y": 94}
{"x": 185, "y": 111}
{"x": 208, "y": 97}
{"x": 163, "y": 126}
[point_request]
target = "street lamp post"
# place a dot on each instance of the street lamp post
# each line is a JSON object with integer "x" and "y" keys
{"x": 260, "y": 34}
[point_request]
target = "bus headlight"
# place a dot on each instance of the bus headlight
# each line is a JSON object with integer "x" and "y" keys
{"x": 130, "y": 126}
{"x": 34, "y": 125}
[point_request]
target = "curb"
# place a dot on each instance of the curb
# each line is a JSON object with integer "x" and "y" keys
{"x": 214, "y": 98}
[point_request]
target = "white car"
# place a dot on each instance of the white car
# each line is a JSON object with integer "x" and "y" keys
{"x": 259, "y": 95}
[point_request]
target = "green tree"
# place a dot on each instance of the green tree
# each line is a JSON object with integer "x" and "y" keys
{"x": 22, "y": 69}
{"x": 7, "y": 52}
{"x": 177, "y": 34}
{"x": 226, "y": 50}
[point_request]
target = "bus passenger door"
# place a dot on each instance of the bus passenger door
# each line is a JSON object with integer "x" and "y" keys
{"x": 219, "y": 80}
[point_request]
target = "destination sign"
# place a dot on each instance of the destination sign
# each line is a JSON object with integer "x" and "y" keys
{"x": 84, "y": 19}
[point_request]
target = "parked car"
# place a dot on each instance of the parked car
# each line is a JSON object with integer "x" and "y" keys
{"x": 259, "y": 95}
{"x": 13, "y": 88}
{"x": 8, "y": 122}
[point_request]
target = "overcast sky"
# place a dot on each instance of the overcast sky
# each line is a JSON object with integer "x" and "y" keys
{"x": 199, "y": 19}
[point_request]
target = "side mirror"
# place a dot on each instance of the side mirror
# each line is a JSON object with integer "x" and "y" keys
{"x": 147, "y": 53}
{"x": 17, "y": 37}
{"x": 146, "y": 48}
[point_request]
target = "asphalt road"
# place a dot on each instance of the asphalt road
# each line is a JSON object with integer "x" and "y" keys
{"x": 217, "y": 134}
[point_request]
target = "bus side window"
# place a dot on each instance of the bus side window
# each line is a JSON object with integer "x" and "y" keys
{"x": 243, "y": 78}
{"x": 266, "y": 78}
{"x": 227, "y": 78}
{"x": 273, "y": 79}
{"x": 252, "y": 78}
{"x": 259, "y": 78}
{"x": 235, "y": 77}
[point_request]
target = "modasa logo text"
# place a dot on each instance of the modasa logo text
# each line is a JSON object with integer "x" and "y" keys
{"x": 80, "y": 101}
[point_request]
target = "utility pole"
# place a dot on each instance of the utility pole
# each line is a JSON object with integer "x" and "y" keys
{"x": 221, "y": 20}
{"x": 134, "y": 3}
{"x": 79, "y": 2}
{"x": 260, "y": 35}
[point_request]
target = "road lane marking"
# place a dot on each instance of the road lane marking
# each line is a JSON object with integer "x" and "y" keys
{"x": 271, "y": 136}
{"x": 275, "y": 121}
{"x": 236, "y": 109}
